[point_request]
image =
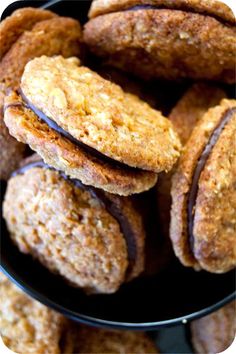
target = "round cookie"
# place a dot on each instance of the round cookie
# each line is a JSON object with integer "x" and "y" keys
{"x": 96, "y": 340}
{"x": 100, "y": 242}
{"x": 100, "y": 114}
{"x": 214, "y": 333}
{"x": 20, "y": 21}
{"x": 184, "y": 116}
{"x": 203, "y": 193}
{"x": 164, "y": 39}
{"x": 75, "y": 161}
{"x": 26, "y": 326}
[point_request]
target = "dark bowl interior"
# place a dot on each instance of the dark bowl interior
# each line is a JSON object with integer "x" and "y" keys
{"x": 175, "y": 295}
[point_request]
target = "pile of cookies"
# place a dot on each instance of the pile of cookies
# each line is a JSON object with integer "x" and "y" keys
{"x": 80, "y": 141}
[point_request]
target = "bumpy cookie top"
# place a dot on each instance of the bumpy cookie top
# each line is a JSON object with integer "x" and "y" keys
{"x": 100, "y": 114}
{"x": 59, "y": 35}
{"x": 26, "y": 326}
{"x": 20, "y": 20}
{"x": 67, "y": 229}
{"x": 213, "y": 8}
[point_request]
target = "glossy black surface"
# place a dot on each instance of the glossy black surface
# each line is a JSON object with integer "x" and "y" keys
{"x": 174, "y": 295}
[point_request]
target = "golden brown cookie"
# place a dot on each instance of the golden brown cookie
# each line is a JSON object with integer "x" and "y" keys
{"x": 184, "y": 116}
{"x": 95, "y": 340}
{"x": 165, "y": 39}
{"x": 203, "y": 215}
{"x": 26, "y": 326}
{"x": 100, "y": 114}
{"x": 20, "y": 21}
{"x": 93, "y": 239}
{"x": 214, "y": 333}
{"x": 76, "y": 161}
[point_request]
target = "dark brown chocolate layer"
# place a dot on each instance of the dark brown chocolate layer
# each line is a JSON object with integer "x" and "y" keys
{"x": 53, "y": 125}
{"x": 192, "y": 196}
{"x": 111, "y": 208}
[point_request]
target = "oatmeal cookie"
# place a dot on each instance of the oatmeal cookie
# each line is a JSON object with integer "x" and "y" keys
{"x": 74, "y": 160}
{"x": 203, "y": 215}
{"x": 100, "y": 114}
{"x": 184, "y": 116}
{"x": 165, "y": 39}
{"x": 93, "y": 239}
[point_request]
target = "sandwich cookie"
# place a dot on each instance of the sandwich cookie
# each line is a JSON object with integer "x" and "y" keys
{"x": 165, "y": 39}
{"x": 95, "y": 131}
{"x": 186, "y": 113}
{"x": 203, "y": 215}
{"x": 93, "y": 239}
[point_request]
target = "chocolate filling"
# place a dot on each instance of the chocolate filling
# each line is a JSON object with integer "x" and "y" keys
{"x": 182, "y": 8}
{"x": 53, "y": 125}
{"x": 192, "y": 195}
{"x": 108, "y": 204}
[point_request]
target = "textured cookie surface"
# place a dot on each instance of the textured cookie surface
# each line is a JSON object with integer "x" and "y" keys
{"x": 214, "y": 247}
{"x": 11, "y": 151}
{"x": 67, "y": 229}
{"x": 213, "y": 8}
{"x": 192, "y": 106}
{"x": 65, "y": 156}
{"x": 91, "y": 340}
{"x": 214, "y": 333}
{"x": 59, "y": 35}
{"x": 26, "y": 326}
{"x": 164, "y": 43}
{"x": 99, "y": 113}
{"x": 20, "y": 20}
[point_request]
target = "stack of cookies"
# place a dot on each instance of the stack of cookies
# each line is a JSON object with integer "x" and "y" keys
{"x": 79, "y": 145}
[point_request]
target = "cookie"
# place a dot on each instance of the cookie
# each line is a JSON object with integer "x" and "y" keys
{"x": 99, "y": 114}
{"x": 184, "y": 116}
{"x": 11, "y": 151}
{"x": 214, "y": 333}
{"x": 203, "y": 193}
{"x": 76, "y": 161}
{"x": 20, "y": 21}
{"x": 164, "y": 39}
{"x": 26, "y": 326}
{"x": 59, "y": 35}
{"x": 95, "y": 340}
{"x": 93, "y": 239}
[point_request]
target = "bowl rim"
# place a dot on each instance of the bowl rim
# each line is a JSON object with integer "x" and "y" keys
{"x": 98, "y": 322}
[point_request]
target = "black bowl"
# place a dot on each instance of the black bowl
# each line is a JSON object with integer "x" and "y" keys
{"x": 175, "y": 295}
